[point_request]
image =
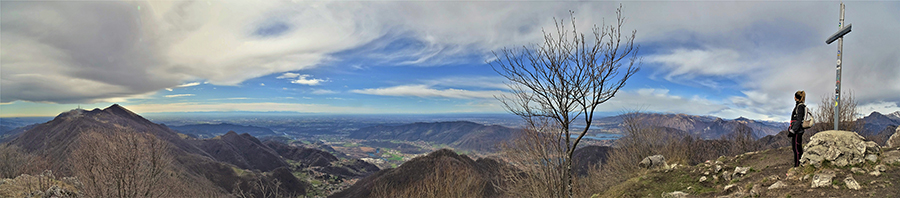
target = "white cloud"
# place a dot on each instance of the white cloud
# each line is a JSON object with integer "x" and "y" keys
{"x": 262, "y": 84}
{"x": 288, "y": 75}
{"x": 188, "y": 84}
{"x": 659, "y": 100}
{"x": 684, "y": 63}
{"x": 264, "y": 106}
{"x": 322, "y": 91}
{"x": 425, "y": 91}
{"x": 483, "y": 82}
{"x": 302, "y": 79}
{"x": 178, "y": 95}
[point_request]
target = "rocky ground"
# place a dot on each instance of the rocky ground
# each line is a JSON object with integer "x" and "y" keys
{"x": 769, "y": 173}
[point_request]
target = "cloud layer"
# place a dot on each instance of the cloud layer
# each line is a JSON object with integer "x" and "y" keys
{"x": 84, "y": 52}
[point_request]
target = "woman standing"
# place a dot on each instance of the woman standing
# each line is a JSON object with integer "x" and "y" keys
{"x": 796, "y": 129}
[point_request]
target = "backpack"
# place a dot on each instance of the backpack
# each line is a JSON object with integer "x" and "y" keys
{"x": 807, "y": 119}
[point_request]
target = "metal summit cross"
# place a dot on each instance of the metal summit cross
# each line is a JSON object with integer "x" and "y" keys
{"x": 839, "y": 36}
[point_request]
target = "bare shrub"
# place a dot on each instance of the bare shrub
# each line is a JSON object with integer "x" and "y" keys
{"x": 824, "y": 114}
{"x": 642, "y": 138}
{"x": 449, "y": 179}
{"x": 122, "y": 164}
{"x": 741, "y": 140}
{"x": 537, "y": 160}
{"x": 259, "y": 186}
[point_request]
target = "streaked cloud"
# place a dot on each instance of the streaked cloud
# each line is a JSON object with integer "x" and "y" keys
{"x": 425, "y": 91}
{"x": 188, "y": 84}
{"x": 178, "y": 95}
{"x": 322, "y": 91}
{"x": 261, "y": 106}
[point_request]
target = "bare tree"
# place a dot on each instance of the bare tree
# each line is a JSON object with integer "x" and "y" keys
{"x": 565, "y": 79}
{"x": 742, "y": 140}
{"x": 122, "y": 164}
{"x": 824, "y": 114}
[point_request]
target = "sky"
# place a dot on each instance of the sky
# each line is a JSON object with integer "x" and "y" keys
{"x": 724, "y": 59}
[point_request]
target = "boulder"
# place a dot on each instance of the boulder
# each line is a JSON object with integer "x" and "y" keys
{"x": 756, "y": 190}
{"x": 891, "y": 157}
{"x": 851, "y": 183}
{"x": 822, "y": 179}
{"x": 777, "y": 185}
{"x": 676, "y": 194}
{"x": 894, "y": 140}
{"x": 653, "y": 162}
{"x": 875, "y": 173}
{"x": 841, "y": 148}
{"x": 740, "y": 171}
{"x": 702, "y": 179}
{"x": 881, "y": 168}
{"x": 857, "y": 170}
{"x": 726, "y": 176}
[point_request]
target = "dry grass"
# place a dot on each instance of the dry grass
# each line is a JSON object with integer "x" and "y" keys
{"x": 644, "y": 139}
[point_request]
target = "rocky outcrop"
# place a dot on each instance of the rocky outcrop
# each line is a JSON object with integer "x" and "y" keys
{"x": 840, "y": 148}
{"x": 894, "y": 140}
{"x": 653, "y": 162}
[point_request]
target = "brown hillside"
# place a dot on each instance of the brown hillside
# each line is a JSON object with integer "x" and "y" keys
{"x": 244, "y": 151}
{"x": 442, "y": 173}
{"x": 192, "y": 168}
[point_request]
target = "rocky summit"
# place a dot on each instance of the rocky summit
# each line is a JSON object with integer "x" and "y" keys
{"x": 840, "y": 148}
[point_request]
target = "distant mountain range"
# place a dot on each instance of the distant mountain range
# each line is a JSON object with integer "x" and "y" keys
{"x": 209, "y": 163}
{"x": 706, "y": 127}
{"x": 473, "y": 136}
{"x": 212, "y": 130}
{"x": 458, "y": 134}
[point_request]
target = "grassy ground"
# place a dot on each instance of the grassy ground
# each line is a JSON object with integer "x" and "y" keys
{"x": 766, "y": 168}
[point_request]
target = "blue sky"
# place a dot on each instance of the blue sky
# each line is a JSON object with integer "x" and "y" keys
{"x": 726, "y": 59}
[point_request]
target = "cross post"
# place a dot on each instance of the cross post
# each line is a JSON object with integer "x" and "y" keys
{"x": 839, "y": 36}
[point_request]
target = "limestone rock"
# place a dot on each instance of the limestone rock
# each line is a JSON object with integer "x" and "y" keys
{"x": 702, "y": 179}
{"x": 718, "y": 168}
{"x": 726, "y": 176}
{"x": 851, "y": 183}
{"x": 891, "y": 157}
{"x": 756, "y": 190}
{"x": 875, "y": 173}
{"x": 740, "y": 171}
{"x": 894, "y": 140}
{"x": 676, "y": 194}
{"x": 777, "y": 185}
{"x": 733, "y": 191}
{"x": 822, "y": 179}
{"x": 653, "y": 162}
{"x": 881, "y": 168}
{"x": 841, "y": 148}
{"x": 857, "y": 170}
